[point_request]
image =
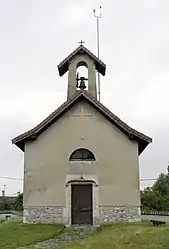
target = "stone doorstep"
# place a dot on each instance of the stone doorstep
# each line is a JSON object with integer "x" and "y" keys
{"x": 85, "y": 227}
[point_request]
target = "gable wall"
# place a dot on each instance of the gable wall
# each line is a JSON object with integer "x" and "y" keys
{"x": 47, "y": 164}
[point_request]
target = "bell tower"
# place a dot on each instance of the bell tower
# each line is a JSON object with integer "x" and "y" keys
{"x": 81, "y": 57}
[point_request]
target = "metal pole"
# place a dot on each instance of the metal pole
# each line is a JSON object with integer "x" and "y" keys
{"x": 98, "y": 37}
{"x": 98, "y": 45}
{"x": 98, "y": 52}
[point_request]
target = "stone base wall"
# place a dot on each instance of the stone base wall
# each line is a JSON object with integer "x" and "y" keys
{"x": 43, "y": 215}
{"x": 119, "y": 214}
{"x": 107, "y": 214}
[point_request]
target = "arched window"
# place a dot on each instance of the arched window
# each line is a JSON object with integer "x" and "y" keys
{"x": 82, "y": 155}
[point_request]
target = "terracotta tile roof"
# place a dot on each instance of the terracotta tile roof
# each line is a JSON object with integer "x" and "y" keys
{"x": 63, "y": 66}
{"x": 142, "y": 139}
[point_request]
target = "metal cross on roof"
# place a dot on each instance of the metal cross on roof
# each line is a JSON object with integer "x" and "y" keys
{"x": 81, "y": 42}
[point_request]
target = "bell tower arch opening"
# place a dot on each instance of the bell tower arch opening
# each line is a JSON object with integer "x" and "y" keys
{"x": 79, "y": 82}
{"x": 82, "y": 76}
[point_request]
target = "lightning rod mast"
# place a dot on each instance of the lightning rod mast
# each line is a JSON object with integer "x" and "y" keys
{"x": 98, "y": 16}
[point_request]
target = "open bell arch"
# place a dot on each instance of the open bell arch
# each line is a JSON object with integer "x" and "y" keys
{"x": 82, "y": 154}
{"x": 86, "y": 61}
{"x": 82, "y": 74}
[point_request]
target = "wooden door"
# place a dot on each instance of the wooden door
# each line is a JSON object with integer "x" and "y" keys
{"x": 81, "y": 204}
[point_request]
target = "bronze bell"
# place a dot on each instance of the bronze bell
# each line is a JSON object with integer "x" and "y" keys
{"x": 82, "y": 83}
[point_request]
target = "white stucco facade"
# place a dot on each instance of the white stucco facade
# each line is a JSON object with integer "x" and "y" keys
{"x": 48, "y": 170}
{"x": 81, "y": 122}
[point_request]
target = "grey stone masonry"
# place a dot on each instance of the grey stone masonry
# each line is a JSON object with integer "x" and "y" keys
{"x": 43, "y": 215}
{"x": 119, "y": 214}
{"x": 107, "y": 214}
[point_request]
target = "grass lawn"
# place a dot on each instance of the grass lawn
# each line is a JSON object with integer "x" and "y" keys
{"x": 14, "y": 234}
{"x": 115, "y": 236}
{"x": 125, "y": 236}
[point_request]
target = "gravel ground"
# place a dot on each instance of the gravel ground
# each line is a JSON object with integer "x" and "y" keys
{"x": 66, "y": 237}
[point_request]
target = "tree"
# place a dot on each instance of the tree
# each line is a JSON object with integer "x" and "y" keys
{"x": 18, "y": 204}
{"x": 157, "y": 197}
{"x": 153, "y": 200}
{"x": 6, "y": 204}
{"x": 161, "y": 185}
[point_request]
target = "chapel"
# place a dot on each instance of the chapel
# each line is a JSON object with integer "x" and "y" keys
{"x": 81, "y": 164}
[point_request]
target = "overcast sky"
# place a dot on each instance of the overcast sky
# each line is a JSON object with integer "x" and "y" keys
{"x": 36, "y": 35}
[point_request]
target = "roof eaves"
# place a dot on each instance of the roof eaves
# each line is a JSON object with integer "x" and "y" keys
{"x": 69, "y": 57}
{"x": 94, "y": 57}
{"x": 118, "y": 121}
{"x": 128, "y": 130}
{"x": 46, "y": 121}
